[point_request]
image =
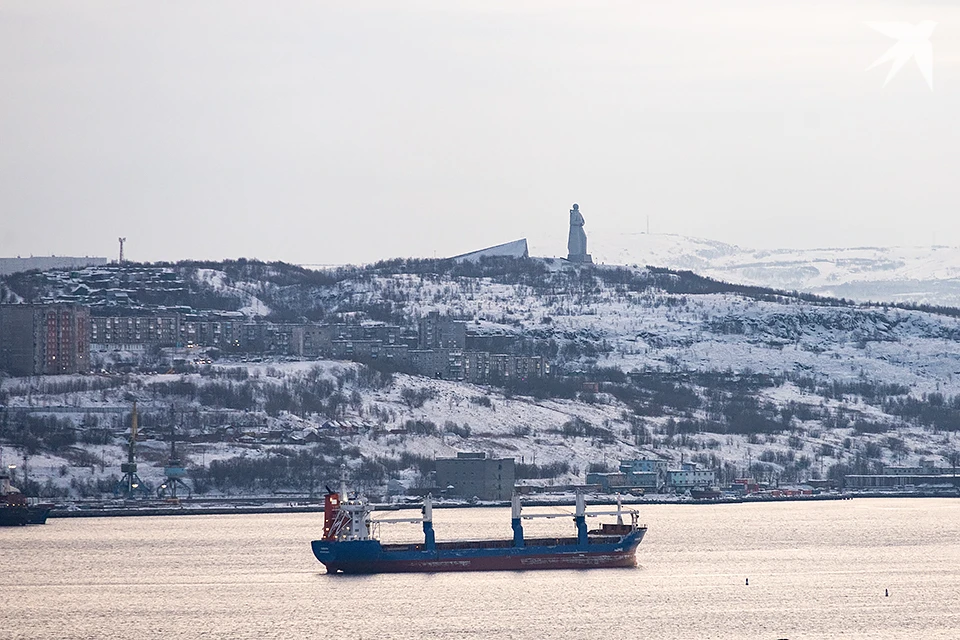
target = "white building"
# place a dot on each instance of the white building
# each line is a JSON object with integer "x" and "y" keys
{"x": 687, "y": 478}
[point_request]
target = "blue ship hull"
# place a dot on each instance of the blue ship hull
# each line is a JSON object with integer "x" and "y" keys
{"x": 370, "y": 556}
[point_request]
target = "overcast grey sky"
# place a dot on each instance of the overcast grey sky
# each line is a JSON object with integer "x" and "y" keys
{"x": 331, "y": 132}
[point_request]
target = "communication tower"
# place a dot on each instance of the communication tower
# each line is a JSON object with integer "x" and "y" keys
{"x": 122, "y": 240}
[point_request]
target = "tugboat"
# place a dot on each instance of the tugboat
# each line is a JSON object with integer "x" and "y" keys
{"x": 13, "y": 504}
{"x": 350, "y": 544}
{"x": 15, "y": 509}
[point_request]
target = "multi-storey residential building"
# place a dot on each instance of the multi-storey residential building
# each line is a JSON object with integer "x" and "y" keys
{"x": 40, "y": 339}
{"x": 224, "y": 330}
{"x": 437, "y": 363}
{"x": 314, "y": 340}
{"x": 442, "y": 332}
{"x": 269, "y": 337}
{"x": 344, "y": 340}
{"x": 355, "y": 349}
{"x": 476, "y": 366}
{"x": 516, "y": 367}
{"x": 133, "y": 332}
{"x": 230, "y": 331}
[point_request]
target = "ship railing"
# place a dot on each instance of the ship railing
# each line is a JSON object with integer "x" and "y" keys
{"x": 395, "y": 520}
{"x": 548, "y": 516}
{"x": 593, "y": 514}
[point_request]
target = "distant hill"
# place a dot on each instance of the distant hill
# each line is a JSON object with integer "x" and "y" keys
{"x": 926, "y": 275}
{"x": 13, "y": 265}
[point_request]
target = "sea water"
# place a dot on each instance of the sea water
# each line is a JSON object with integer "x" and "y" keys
{"x": 864, "y": 568}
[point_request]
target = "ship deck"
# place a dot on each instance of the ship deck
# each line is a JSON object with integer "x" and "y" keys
{"x": 502, "y": 544}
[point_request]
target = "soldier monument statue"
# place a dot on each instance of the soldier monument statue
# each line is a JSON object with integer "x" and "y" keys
{"x": 577, "y": 241}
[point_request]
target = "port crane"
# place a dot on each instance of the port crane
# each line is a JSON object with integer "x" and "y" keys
{"x": 175, "y": 473}
{"x": 130, "y": 485}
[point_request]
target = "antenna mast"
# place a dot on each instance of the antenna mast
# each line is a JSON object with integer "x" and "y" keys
{"x": 122, "y": 240}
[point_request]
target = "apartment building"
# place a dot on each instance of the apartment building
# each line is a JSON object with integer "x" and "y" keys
{"x": 37, "y": 339}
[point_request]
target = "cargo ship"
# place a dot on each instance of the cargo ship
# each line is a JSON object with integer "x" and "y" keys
{"x": 350, "y": 543}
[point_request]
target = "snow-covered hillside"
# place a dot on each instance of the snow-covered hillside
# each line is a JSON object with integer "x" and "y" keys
{"x": 413, "y": 416}
{"x": 927, "y": 275}
{"x": 740, "y": 380}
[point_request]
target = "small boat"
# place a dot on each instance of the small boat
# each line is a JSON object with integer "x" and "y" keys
{"x": 350, "y": 544}
{"x": 705, "y": 493}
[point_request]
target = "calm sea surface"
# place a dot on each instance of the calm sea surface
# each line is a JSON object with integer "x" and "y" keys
{"x": 816, "y": 570}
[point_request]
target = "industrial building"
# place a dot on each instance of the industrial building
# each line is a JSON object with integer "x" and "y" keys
{"x": 647, "y": 473}
{"x": 472, "y": 475}
{"x": 689, "y": 478}
{"x": 652, "y": 475}
{"x": 901, "y": 477}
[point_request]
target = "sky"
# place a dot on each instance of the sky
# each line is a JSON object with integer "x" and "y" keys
{"x": 346, "y": 132}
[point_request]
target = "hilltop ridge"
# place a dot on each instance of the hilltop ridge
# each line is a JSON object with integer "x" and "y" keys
{"x": 922, "y": 275}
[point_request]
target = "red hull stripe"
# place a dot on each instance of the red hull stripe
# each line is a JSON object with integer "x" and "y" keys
{"x": 494, "y": 563}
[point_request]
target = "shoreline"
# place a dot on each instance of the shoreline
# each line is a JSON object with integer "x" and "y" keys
{"x": 222, "y": 507}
